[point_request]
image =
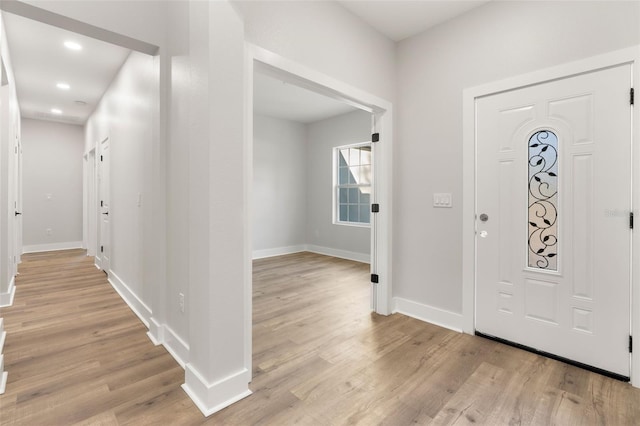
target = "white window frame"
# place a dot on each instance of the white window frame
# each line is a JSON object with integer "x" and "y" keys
{"x": 336, "y": 186}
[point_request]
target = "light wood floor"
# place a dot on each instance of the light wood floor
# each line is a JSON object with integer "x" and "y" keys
{"x": 77, "y": 355}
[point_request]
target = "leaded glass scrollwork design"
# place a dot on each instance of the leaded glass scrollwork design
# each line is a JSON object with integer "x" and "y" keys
{"x": 543, "y": 201}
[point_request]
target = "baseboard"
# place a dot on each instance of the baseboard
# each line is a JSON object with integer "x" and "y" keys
{"x": 6, "y": 299}
{"x": 135, "y": 304}
{"x": 178, "y": 348}
{"x": 162, "y": 334}
{"x": 37, "y": 248}
{"x": 3, "y": 379}
{"x": 3, "y": 374}
{"x": 213, "y": 397}
{"x": 342, "y": 254}
{"x": 156, "y": 332}
{"x": 278, "y": 251}
{"x": 3, "y": 336}
{"x": 430, "y": 314}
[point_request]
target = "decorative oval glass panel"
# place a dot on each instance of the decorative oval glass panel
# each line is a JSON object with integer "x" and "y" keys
{"x": 543, "y": 201}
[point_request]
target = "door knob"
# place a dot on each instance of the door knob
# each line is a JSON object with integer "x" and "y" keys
{"x": 17, "y": 213}
{"x": 107, "y": 213}
{"x": 484, "y": 217}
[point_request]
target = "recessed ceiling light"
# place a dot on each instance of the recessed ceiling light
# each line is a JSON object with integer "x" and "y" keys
{"x": 56, "y": 111}
{"x": 63, "y": 86}
{"x": 72, "y": 45}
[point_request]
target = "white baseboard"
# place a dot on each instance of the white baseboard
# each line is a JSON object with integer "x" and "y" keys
{"x": 3, "y": 379}
{"x": 37, "y": 248}
{"x": 327, "y": 251}
{"x": 430, "y": 314}
{"x": 278, "y": 251}
{"x": 6, "y": 299}
{"x": 178, "y": 348}
{"x": 135, "y": 304}
{"x": 162, "y": 334}
{"x": 213, "y": 397}
{"x": 342, "y": 254}
{"x": 3, "y": 374}
{"x": 156, "y": 332}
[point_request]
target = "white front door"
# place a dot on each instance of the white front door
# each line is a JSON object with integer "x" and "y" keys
{"x": 103, "y": 167}
{"x": 553, "y": 202}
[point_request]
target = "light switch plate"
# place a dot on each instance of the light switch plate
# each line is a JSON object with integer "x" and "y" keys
{"x": 442, "y": 200}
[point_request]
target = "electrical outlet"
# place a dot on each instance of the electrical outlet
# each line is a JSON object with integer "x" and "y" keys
{"x": 181, "y": 302}
{"x": 49, "y": 231}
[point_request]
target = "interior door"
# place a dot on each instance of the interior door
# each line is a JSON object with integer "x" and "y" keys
{"x": 17, "y": 202}
{"x": 105, "y": 230}
{"x": 553, "y": 203}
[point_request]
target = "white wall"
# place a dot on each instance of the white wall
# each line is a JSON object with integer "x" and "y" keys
{"x": 495, "y": 41}
{"x": 322, "y": 137}
{"x": 325, "y": 37}
{"x": 201, "y": 118}
{"x": 293, "y": 186}
{"x": 279, "y": 186}
{"x": 9, "y": 196}
{"x": 52, "y": 185}
{"x": 124, "y": 115}
{"x": 9, "y": 140}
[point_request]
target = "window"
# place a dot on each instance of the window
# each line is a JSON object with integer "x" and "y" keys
{"x": 352, "y": 174}
{"x": 543, "y": 200}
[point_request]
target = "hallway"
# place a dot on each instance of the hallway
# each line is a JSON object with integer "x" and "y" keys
{"x": 76, "y": 354}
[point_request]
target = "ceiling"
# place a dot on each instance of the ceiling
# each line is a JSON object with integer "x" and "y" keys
{"x": 401, "y": 19}
{"x": 40, "y": 61}
{"x": 275, "y": 98}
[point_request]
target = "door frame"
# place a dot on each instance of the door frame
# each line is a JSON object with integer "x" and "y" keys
{"x": 382, "y": 123}
{"x": 90, "y": 203}
{"x": 99, "y": 256}
{"x": 610, "y": 59}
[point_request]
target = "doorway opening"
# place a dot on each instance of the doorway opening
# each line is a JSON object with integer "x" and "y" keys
{"x": 378, "y": 114}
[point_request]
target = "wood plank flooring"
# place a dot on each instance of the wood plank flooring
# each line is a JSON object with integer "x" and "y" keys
{"x": 77, "y": 355}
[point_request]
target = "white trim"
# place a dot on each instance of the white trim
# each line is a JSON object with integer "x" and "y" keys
{"x": 37, "y": 248}
{"x": 618, "y": 57}
{"x": 327, "y": 251}
{"x": 213, "y": 397}
{"x": 178, "y": 348}
{"x": 3, "y": 374}
{"x": 162, "y": 334}
{"x": 440, "y": 317}
{"x": 278, "y": 251}
{"x": 6, "y": 299}
{"x": 156, "y": 332}
{"x": 342, "y": 254}
{"x": 135, "y": 304}
{"x": 3, "y": 379}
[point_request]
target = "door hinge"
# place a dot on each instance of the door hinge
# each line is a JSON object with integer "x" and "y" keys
{"x": 375, "y": 137}
{"x": 101, "y": 249}
{"x": 631, "y": 96}
{"x": 101, "y": 203}
{"x": 374, "y": 278}
{"x": 375, "y": 208}
{"x": 631, "y": 220}
{"x": 101, "y": 158}
{"x": 630, "y": 344}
